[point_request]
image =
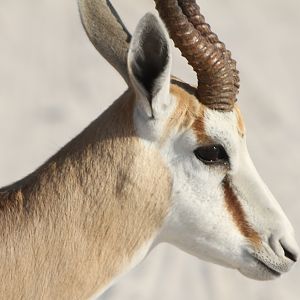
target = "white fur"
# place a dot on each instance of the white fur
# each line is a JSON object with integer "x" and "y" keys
{"x": 199, "y": 222}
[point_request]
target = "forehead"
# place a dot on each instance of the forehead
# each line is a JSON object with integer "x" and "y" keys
{"x": 206, "y": 123}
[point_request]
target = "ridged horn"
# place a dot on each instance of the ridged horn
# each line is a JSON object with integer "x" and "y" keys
{"x": 218, "y": 79}
{"x": 107, "y": 32}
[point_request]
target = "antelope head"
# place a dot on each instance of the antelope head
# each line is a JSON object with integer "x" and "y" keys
{"x": 220, "y": 209}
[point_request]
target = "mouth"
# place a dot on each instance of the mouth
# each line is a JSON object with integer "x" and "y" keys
{"x": 267, "y": 268}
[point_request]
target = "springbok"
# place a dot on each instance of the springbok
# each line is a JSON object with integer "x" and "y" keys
{"x": 167, "y": 162}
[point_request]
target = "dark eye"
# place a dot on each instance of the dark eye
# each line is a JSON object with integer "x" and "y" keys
{"x": 213, "y": 154}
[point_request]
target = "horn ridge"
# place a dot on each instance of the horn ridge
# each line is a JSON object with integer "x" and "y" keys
{"x": 218, "y": 79}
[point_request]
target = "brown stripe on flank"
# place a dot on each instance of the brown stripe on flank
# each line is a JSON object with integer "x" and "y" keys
{"x": 235, "y": 209}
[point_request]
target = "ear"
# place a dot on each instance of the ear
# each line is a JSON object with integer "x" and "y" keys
{"x": 149, "y": 63}
{"x": 107, "y": 32}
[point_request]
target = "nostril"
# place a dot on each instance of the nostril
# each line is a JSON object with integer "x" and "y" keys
{"x": 288, "y": 254}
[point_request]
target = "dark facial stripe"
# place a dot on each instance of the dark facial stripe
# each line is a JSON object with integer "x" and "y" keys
{"x": 235, "y": 209}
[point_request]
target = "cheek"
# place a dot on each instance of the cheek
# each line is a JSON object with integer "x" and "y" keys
{"x": 204, "y": 224}
{"x": 200, "y": 177}
{"x": 199, "y": 194}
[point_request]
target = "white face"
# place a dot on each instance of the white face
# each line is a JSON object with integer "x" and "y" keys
{"x": 221, "y": 210}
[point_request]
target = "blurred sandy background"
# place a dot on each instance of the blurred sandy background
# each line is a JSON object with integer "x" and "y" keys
{"x": 53, "y": 84}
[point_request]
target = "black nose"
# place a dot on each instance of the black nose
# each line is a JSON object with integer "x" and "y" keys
{"x": 288, "y": 254}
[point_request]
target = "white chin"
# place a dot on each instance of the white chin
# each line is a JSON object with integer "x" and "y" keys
{"x": 260, "y": 274}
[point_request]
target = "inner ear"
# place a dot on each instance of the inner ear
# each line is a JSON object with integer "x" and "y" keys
{"x": 149, "y": 55}
{"x": 150, "y": 61}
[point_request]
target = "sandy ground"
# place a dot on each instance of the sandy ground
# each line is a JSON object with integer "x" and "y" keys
{"x": 53, "y": 83}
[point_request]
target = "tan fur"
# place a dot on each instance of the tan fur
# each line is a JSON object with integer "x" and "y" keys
{"x": 189, "y": 113}
{"x": 240, "y": 121}
{"x": 106, "y": 32}
{"x": 73, "y": 225}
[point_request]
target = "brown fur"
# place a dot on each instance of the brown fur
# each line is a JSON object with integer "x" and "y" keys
{"x": 189, "y": 113}
{"x": 72, "y": 226}
{"x": 235, "y": 209}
